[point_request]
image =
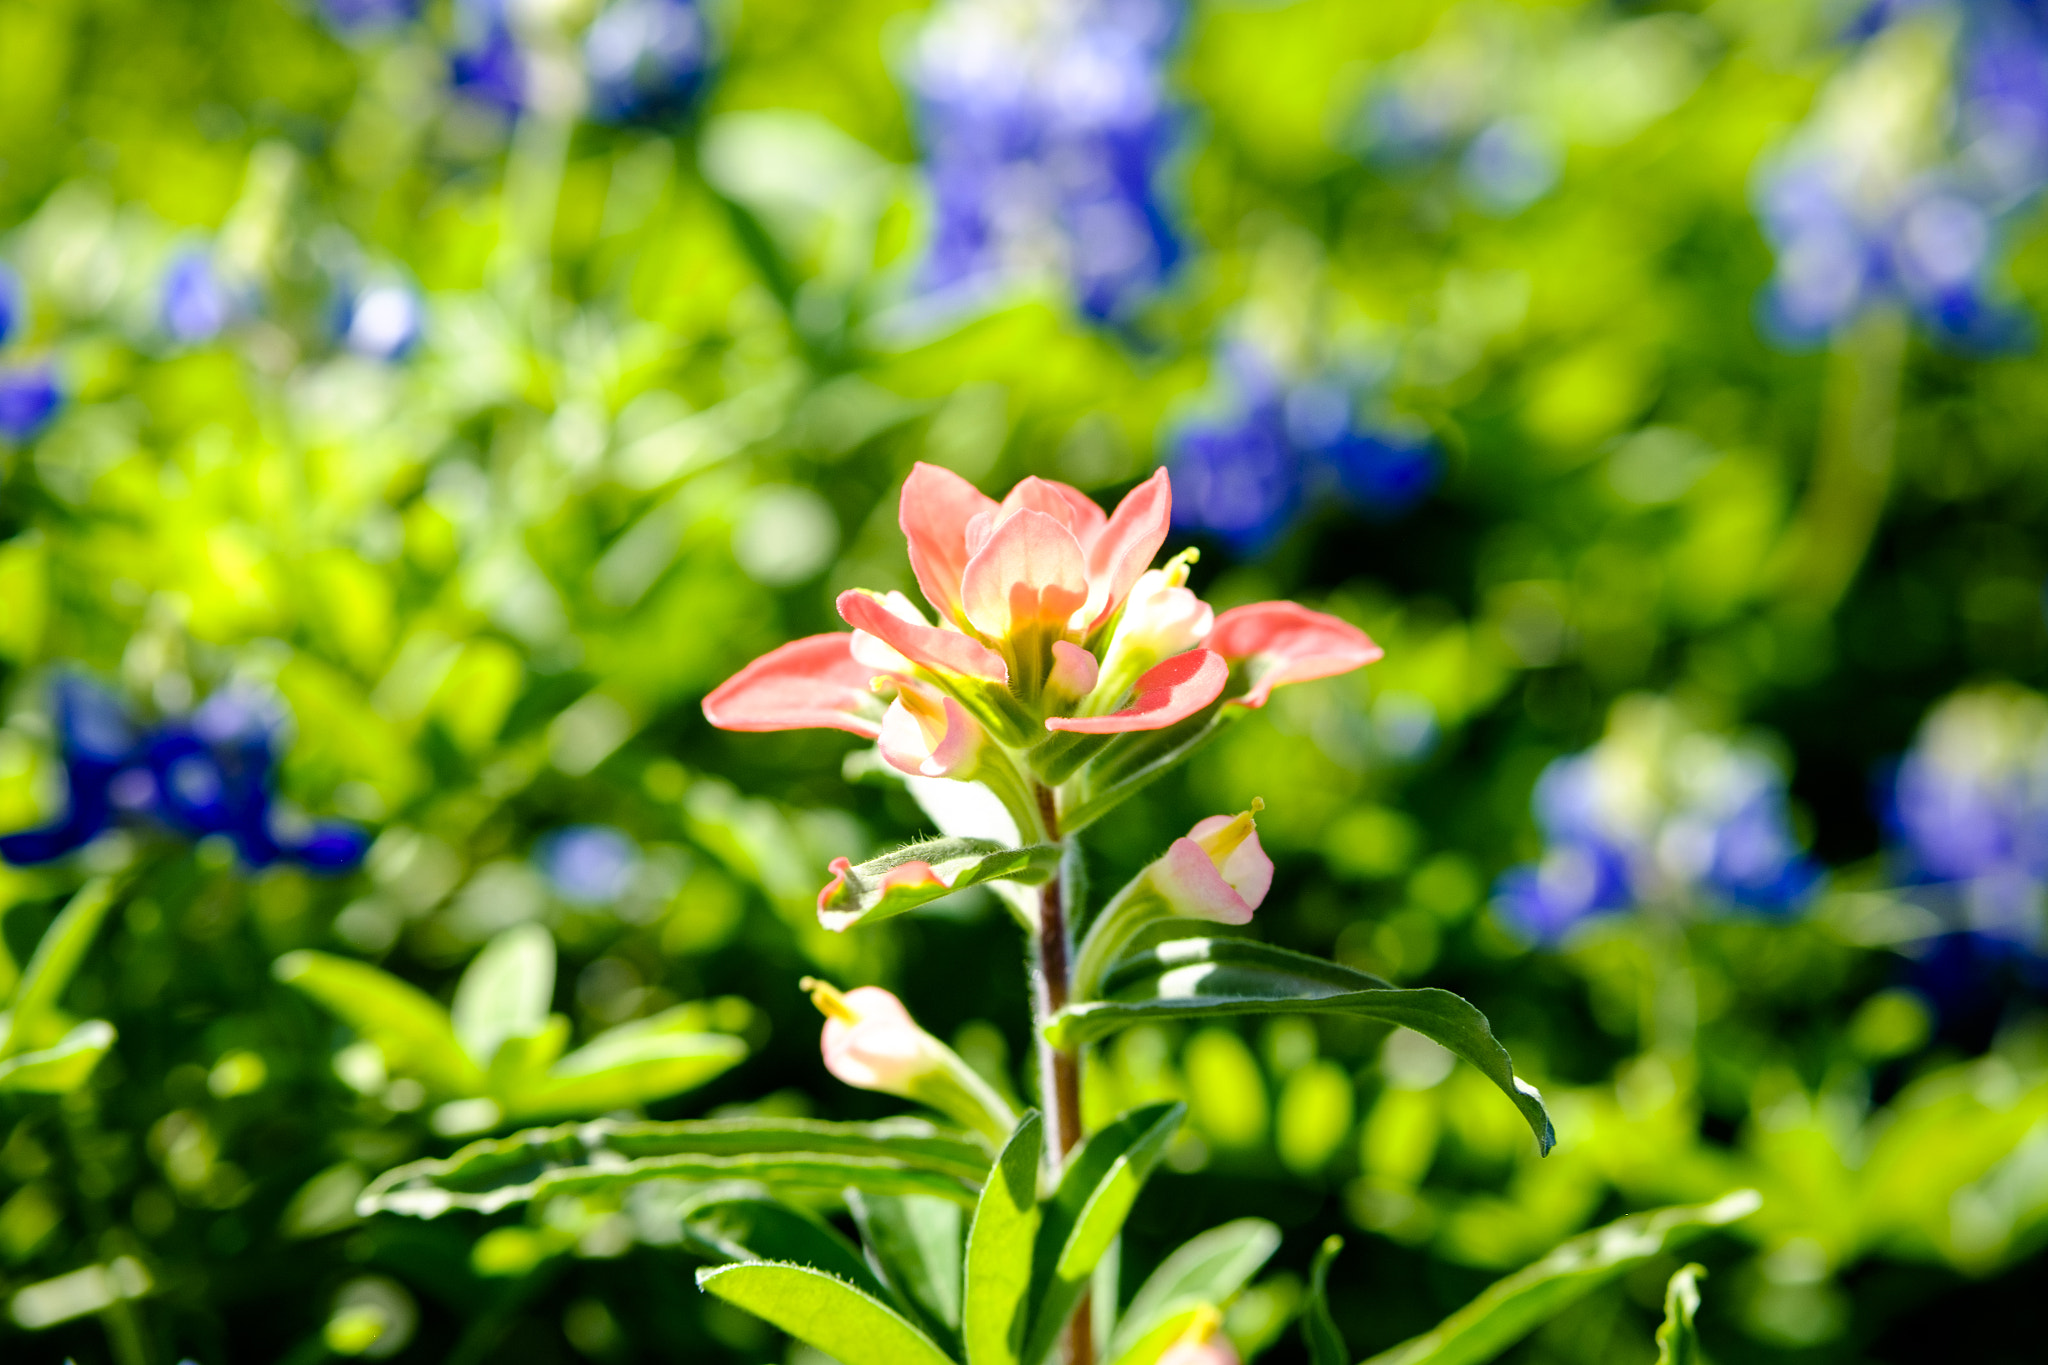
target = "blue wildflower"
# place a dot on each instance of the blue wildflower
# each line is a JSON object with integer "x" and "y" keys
{"x": 647, "y": 60}
{"x": 197, "y": 304}
{"x": 588, "y": 865}
{"x": 29, "y": 398}
{"x": 383, "y": 322}
{"x": 1657, "y": 813}
{"x": 365, "y": 16}
{"x": 211, "y": 773}
{"x": 487, "y": 64}
{"x": 1047, "y": 126}
{"x": 10, "y": 303}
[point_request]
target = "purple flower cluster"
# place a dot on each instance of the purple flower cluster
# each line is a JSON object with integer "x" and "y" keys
{"x": 29, "y": 394}
{"x": 588, "y": 865}
{"x": 647, "y": 60}
{"x": 382, "y": 322}
{"x": 208, "y": 773}
{"x": 368, "y": 16}
{"x": 1047, "y": 124}
{"x": 1245, "y": 475}
{"x": 1657, "y": 813}
{"x": 197, "y": 303}
{"x": 1854, "y": 224}
{"x": 487, "y": 64}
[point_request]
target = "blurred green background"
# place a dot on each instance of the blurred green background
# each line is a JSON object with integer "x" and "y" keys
{"x": 1756, "y": 456}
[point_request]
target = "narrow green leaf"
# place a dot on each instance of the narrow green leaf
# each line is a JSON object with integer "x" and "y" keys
{"x": 1678, "y": 1343}
{"x": 999, "y": 1245}
{"x": 895, "y": 1156}
{"x": 851, "y": 1327}
{"x": 916, "y": 1242}
{"x": 1146, "y": 1348}
{"x": 1207, "y": 1268}
{"x": 409, "y": 1026}
{"x": 1511, "y": 1308}
{"x": 1318, "y": 1329}
{"x": 917, "y": 874}
{"x": 62, "y": 1068}
{"x": 750, "y": 1229}
{"x": 506, "y": 991}
{"x": 51, "y": 967}
{"x": 1198, "y": 978}
{"x": 618, "y": 1073}
{"x": 1095, "y": 1194}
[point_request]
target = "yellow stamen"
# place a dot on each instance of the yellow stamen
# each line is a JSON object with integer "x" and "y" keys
{"x": 1176, "y": 569}
{"x": 1206, "y": 1324}
{"x": 830, "y": 1002}
{"x": 1221, "y": 843}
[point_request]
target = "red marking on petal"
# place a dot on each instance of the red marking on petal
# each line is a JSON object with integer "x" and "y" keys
{"x": 1127, "y": 545}
{"x": 835, "y": 889}
{"x": 913, "y": 875}
{"x": 936, "y": 507}
{"x": 1288, "y": 643}
{"x": 1168, "y": 694}
{"x": 1031, "y": 572}
{"x": 809, "y": 684}
{"x": 919, "y": 643}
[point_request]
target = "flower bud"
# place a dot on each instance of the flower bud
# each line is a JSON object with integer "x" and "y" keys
{"x": 871, "y": 1043}
{"x": 1202, "y": 1344}
{"x": 926, "y": 734}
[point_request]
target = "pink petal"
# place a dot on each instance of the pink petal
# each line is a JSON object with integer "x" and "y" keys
{"x": 1029, "y": 573}
{"x": 1074, "y": 670}
{"x": 885, "y": 1051}
{"x": 1285, "y": 642}
{"x": 1194, "y": 888}
{"x": 910, "y": 874}
{"x": 912, "y": 743}
{"x": 809, "y": 684}
{"x": 1068, "y": 506}
{"x": 1169, "y": 694}
{"x": 937, "y": 505}
{"x": 920, "y": 643}
{"x": 1126, "y": 546}
{"x": 1246, "y": 867}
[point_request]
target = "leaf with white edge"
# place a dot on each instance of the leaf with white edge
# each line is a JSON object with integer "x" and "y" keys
{"x": 750, "y": 1229}
{"x": 1096, "y": 1191}
{"x": 1510, "y": 1309}
{"x": 918, "y": 874}
{"x": 1198, "y": 978}
{"x": 61, "y": 1069}
{"x": 999, "y": 1245}
{"x": 506, "y": 991}
{"x": 408, "y": 1026}
{"x": 32, "y": 1017}
{"x": 1318, "y": 1328}
{"x": 818, "y": 1310}
{"x": 621, "y": 1073}
{"x": 915, "y": 1241}
{"x": 1207, "y": 1268}
{"x": 894, "y": 1156}
{"x": 1678, "y": 1341}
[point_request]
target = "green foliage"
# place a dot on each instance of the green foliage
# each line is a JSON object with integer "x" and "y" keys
{"x": 41, "y": 1050}
{"x": 813, "y": 1307}
{"x": 867, "y": 892}
{"x": 1000, "y": 1244}
{"x": 1678, "y": 1342}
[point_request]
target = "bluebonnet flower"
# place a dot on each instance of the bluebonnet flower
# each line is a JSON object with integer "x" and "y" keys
{"x": 588, "y": 865}
{"x": 487, "y": 64}
{"x": 647, "y": 60}
{"x": 10, "y": 303}
{"x": 382, "y": 322}
{"x": 1658, "y": 812}
{"x": 29, "y": 398}
{"x": 197, "y": 304}
{"x": 364, "y": 16}
{"x": 1046, "y": 125}
{"x": 1245, "y": 475}
{"x": 209, "y": 773}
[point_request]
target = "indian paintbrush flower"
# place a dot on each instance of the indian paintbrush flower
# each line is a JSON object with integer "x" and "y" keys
{"x": 1203, "y": 1343}
{"x": 871, "y": 1043}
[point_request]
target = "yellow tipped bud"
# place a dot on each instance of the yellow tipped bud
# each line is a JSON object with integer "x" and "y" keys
{"x": 1221, "y": 842}
{"x": 831, "y": 1002}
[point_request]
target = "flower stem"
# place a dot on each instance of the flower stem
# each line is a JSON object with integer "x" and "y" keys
{"x": 1059, "y": 1068}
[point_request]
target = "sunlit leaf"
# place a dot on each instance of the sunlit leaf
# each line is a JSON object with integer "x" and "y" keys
{"x": 620, "y": 1073}
{"x": 409, "y": 1026}
{"x": 917, "y": 874}
{"x": 51, "y": 967}
{"x": 1678, "y": 1342}
{"x": 749, "y": 1229}
{"x": 999, "y": 1249}
{"x": 1318, "y": 1328}
{"x": 506, "y": 991}
{"x": 1207, "y": 1268}
{"x": 851, "y": 1327}
{"x": 1202, "y": 978}
{"x": 916, "y": 1240}
{"x": 62, "y": 1068}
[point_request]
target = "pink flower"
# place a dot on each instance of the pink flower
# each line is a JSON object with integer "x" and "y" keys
{"x": 871, "y": 1043}
{"x": 1284, "y": 642}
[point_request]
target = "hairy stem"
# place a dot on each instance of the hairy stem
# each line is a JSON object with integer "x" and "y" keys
{"x": 1059, "y": 1068}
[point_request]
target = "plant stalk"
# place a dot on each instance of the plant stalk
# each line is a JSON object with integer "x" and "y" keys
{"x": 1059, "y": 1068}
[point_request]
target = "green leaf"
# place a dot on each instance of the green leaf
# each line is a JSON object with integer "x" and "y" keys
{"x": 50, "y": 970}
{"x": 1318, "y": 1329}
{"x": 999, "y": 1244}
{"x": 616, "y": 1073}
{"x": 895, "y": 1156}
{"x": 1678, "y": 1343}
{"x": 1207, "y": 1268}
{"x": 916, "y": 1240}
{"x": 851, "y": 1327}
{"x": 1509, "y": 1309}
{"x": 1146, "y": 1348}
{"x": 917, "y": 874}
{"x": 1198, "y": 978}
{"x": 60, "y": 1069}
{"x": 752, "y": 1229}
{"x": 408, "y": 1026}
{"x": 506, "y": 991}
{"x": 1100, "y": 1183}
